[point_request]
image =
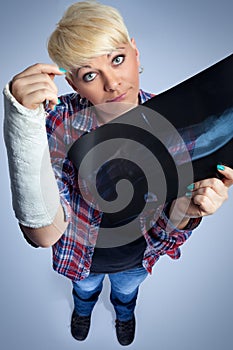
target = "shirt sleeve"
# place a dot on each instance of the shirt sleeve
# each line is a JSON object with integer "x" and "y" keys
{"x": 62, "y": 167}
{"x": 166, "y": 238}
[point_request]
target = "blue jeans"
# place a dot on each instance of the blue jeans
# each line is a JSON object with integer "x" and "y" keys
{"x": 124, "y": 291}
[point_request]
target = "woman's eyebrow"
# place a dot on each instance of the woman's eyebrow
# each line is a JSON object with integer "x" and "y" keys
{"x": 116, "y": 51}
{"x": 86, "y": 66}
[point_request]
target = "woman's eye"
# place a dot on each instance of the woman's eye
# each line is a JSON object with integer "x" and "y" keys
{"x": 89, "y": 77}
{"x": 118, "y": 60}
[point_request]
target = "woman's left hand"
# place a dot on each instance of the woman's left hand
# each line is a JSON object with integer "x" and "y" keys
{"x": 202, "y": 198}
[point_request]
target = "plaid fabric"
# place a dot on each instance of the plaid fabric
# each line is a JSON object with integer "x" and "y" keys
{"x": 72, "y": 254}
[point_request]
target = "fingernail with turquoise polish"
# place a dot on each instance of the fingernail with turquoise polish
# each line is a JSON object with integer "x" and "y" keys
{"x": 63, "y": 70}
{"x": 190, "y": 187}
{"x": 220, "y": 167}
{"x": 188, "y": 194}
{"x": 58, "y": 101}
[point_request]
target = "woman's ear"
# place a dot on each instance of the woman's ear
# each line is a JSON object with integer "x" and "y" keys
{"x": 69, "y": 81}
{"x": 133, "y": 43}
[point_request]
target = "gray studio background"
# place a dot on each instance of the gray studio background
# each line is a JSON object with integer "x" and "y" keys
{"x": 185, "y": 304}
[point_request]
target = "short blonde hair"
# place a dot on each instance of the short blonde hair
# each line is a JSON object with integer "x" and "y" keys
{"x": 87, "y": 29}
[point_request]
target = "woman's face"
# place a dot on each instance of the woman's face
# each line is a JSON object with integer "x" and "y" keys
{"x": 110, "y": 78}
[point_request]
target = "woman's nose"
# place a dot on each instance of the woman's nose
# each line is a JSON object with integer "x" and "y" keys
{"x": 111, "y": 81}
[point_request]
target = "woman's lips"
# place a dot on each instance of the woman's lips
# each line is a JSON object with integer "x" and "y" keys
{"x": 118, "y": 98}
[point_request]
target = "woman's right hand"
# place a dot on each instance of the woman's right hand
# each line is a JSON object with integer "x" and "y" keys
{"x": 35, "y": 85}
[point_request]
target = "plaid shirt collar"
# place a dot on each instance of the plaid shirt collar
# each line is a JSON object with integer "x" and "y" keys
{"x": 85, "y": 118}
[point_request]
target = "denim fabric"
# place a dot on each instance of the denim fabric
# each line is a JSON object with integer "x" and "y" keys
{"x": 124, "y": 291}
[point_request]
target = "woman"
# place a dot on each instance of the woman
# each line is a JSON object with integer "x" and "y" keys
{"x": 53, "y": 207}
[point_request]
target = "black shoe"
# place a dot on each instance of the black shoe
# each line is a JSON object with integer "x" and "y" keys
{"x": 125, "y": 331}
{"x": 80, "y": 326}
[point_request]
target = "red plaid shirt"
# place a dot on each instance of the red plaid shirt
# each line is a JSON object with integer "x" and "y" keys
{"x": 72, "y": 254}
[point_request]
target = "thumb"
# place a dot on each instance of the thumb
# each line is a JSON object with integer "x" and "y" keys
{"x": 227, "y": 172}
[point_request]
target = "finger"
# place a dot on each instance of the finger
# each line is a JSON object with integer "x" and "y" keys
{"x": 23, "y": 83}
{"x": 37, "y": 97}
{"x": 39, "y": 68}
{"x": 213, "y": 183}
{"x": 202, "y": 205}
{"x": 227, "y": 173}
{"x": 30, "y": 95}
{"x": 212, "y": 194}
